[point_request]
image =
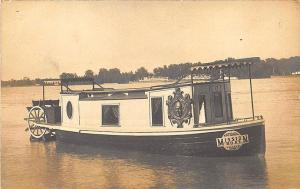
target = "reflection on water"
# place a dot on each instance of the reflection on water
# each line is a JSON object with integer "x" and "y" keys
{"x": 139, "y": 170}
{"x": 26, "y": 164}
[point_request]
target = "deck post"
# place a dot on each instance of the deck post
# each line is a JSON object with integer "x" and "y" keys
{"x": 61, "y": 86}
{"x": 192, "y": 82}
{"x": 43, "y": 91}
{"x": 250, "y": 79}
{"x": 193, "y": 100}
{"x": 225, "y": 96}
{"x": 229, "y": 73}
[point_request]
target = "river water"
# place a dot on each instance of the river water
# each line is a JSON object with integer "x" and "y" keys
{"x": 26, "y": 164}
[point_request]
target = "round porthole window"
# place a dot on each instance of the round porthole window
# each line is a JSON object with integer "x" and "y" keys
{"x": 69, "y": 110}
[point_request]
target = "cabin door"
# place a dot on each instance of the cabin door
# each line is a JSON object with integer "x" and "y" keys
{"x": 200, "y": 109}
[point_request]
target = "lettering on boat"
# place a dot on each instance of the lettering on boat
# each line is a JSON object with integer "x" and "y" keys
{"x": 232, "y": 140}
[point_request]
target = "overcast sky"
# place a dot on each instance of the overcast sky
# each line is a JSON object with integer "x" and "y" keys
{"x": 44, "y": 39}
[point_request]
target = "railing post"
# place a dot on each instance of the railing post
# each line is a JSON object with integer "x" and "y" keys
{"x": 250, "y": 79}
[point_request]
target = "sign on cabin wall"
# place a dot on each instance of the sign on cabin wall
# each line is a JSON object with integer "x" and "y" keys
{"x": 179, "y": 108}
{"x": 232, "y": 140}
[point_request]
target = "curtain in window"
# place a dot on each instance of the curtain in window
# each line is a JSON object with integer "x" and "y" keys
{"x": 201, "y": 102}
{"x": 110, "y": 114}
{"x": 156, "y": 105}
{"x": 115, "y": 110}
{"x": 156, "y": 108}
{"x": 105, "y": 110}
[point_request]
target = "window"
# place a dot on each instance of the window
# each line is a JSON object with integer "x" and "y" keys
{"x": 156, "y": 111}
{"x": 69, "y": 110}
{"x": 218, "y": 108}
{"x": 110, "y": 115}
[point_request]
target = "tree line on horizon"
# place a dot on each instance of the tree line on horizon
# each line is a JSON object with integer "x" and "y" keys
{"x": 114, "y": 75}
{"x": 264, "y": 69}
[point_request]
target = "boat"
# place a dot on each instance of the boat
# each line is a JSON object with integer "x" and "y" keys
{"x": 190, "y": 117}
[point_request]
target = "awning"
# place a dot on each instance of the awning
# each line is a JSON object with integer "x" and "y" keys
{"x": 225, "y": 64}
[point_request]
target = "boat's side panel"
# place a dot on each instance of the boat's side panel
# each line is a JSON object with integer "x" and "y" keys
{"x": 202, "y": 144}
{"x": 164, "y": 94}
{"x": 133, "y": 114}
{"x": 74, "y": 119}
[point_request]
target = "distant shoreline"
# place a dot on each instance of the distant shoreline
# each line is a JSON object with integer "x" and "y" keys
{"x": 268, "y": 68}
{"x": 153, "y": 81}
{"x": 141, "y": 81}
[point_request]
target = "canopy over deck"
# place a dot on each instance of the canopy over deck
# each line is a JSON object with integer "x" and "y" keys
{"x": 225, "y": 64}
{"x": 219, "y": 69}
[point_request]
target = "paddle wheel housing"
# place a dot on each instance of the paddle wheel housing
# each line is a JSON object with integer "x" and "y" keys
{"x": 43, "y": 112}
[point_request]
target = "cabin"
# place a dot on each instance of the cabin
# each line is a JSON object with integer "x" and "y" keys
{"x": 145, "y": 109}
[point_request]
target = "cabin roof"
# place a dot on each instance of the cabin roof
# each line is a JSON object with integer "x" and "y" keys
{"x": 136, "y": 90}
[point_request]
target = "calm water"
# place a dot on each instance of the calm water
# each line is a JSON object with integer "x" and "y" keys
{"x": 26, "y": 164}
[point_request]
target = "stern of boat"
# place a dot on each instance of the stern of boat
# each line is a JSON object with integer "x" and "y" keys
{"x": 248, "y": 139}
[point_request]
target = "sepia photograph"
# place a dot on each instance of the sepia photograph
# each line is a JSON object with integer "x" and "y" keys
{"x": 150, "y": 94}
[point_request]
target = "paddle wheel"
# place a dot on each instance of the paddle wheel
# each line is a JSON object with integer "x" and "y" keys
{"x": 43, "y": 112}
{"x": 37, "y": 115}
